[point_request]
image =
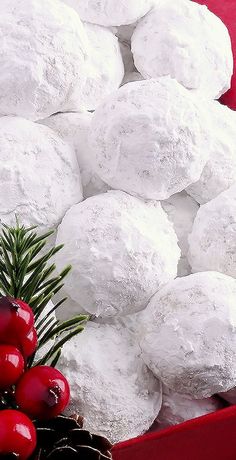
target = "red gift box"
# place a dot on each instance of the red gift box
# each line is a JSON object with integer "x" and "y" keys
{"x": 211, "y": 437}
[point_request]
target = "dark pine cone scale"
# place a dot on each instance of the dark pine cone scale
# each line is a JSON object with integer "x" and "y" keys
{"x": 64, "y": 438}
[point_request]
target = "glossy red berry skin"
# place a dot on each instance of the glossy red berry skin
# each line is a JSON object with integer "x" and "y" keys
{"x": 11, "y": 366}
{"x": 17, "y": 434}
{"x": 43, "y": 392}
{"x": 16, "y": 320}
{"x": 29, "y": 343}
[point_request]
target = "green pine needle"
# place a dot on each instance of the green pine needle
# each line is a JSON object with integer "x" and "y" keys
{"x": 27, "y": 274}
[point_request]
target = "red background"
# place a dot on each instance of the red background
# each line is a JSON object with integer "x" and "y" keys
{"x": 212, "y": 437}
{"x": 226, "y": 10}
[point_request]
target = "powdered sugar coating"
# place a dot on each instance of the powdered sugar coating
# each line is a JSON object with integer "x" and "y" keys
{"x": 110, "y": 12}
{"x": 149, "y": 139}
{"x": 105, "y": 69}
{"x": 212, "y": 243}
{"x": 43, "y": 55}
{"x": 188, "y": 42}
{"x": 220, "y": 170}
{"x": 40, "y": 177}
{"x": 177, "y": 408}
{"x": 110, "y": 385}
{"x": 122, "y": 251}
{"x": 74, "y": 128}
{"x": 181, "y": 210}
{"x": 188, "y": 334}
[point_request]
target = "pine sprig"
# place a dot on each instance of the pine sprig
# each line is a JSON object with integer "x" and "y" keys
{"x": 30, "y": 276}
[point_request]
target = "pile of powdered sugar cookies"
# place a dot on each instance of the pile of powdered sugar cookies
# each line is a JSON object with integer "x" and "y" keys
{"x": 111, "y": 133}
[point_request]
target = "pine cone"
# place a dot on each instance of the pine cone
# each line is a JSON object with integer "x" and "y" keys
{"x": 7, "y": 400}
{"x": 64, "y": 438}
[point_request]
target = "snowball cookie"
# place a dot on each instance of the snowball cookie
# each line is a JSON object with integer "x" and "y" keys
{"x": 110, "y": 12}
{"x": 220, "y": 170}
{"x": 177, "y": 408}
{"x": 110, "y": 385}
{"x": 122, "y": 251}
{"x": 188, "y": 334}
{"x": 150, "y": 139}
{"x": 181, "y": 210}
{"x": 43, "y": 55}
{"x": 105, "y": 66}
{"x": 74, "y": 128}
{"x": 212, "y": 242}
{"x": 40, "y": 176}
{"x": 195, "y": 48}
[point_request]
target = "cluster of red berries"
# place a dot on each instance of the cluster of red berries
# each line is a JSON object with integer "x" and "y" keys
{"x": 41, "y": 392}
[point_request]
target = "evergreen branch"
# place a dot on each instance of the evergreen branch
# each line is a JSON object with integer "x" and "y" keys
{"x": 59, "y": 345}
{"x": 42, "y": 304}
{"x": 47, "y": 272}
{"x": 57, "y": 290}
{"x": 56, "y": 358}
{"x": 28, "y": 275}
{"x": 53, "y": 309}
{"x": 41, "y": 331}
{"x": 61, "y": 327}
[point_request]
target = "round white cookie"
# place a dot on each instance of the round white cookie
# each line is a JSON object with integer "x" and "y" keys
{"x": 122, "y": 251}
{"x": 150, "y": 139}
{"x": 40, "y": 177}
{"x": 188, "y": 334}
{"x": 220, "y": 170}
{"x": 110, "y": 12}
{"x": 177, "y": 408}
{"x": 188, "y": 42}
{"x": 74, "y": 128}
{"x": 110, "y": 385}
{"x": 212, "y": 242}
{"x": 44, "y": 49}
{"x": 105, "y": 66}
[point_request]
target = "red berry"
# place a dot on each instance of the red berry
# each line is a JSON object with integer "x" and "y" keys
{"x": 17, "y": 434}
{"x": 11, "y": 366}
{"x": 16, "y": 320}
{"x": 29, "y": 343}
{"x": 43, "y": 392}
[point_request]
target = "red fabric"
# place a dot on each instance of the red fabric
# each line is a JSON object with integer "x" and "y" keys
{"x": 226, "y": 10}
{"x": 212, "y": 437}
